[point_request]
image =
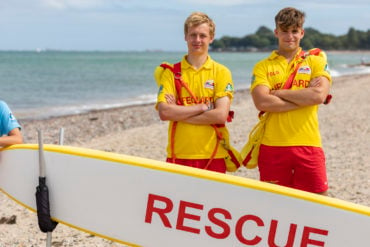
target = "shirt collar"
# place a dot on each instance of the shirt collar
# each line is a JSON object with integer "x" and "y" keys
{"x": 274, "y": 54}
{"x": 207, "y": 65}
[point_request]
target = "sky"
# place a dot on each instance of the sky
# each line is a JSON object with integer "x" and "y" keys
{"x": 139, "y": 25}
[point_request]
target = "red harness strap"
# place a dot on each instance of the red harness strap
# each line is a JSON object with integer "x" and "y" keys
{"x": 176, "y": 70}
{"x": 288, "y": 84}
{"x": 179, "y": 83}
{"x": 316, "y": 52}
{"x": 289, "y": 81}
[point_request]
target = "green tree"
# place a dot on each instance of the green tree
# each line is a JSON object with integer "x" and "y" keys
{"x": 264, "y": 39}
{"x": 353, "y": 38}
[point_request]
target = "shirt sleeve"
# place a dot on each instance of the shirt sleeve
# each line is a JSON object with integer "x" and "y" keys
{"x": 259, "y": 76}
{"x": 320, "y": 67}
{"x": 166, "y": 85}
{"x": 224, "y": 84}
{"x": 8, "y": 121}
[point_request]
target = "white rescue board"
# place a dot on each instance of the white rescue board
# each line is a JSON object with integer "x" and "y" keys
{"x": 143, "y": 202}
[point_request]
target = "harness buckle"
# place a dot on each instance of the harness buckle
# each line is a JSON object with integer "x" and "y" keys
{"x": 177, "y": 75}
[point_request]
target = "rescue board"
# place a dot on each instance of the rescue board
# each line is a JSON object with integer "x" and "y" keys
{"x": 143, "y": 202}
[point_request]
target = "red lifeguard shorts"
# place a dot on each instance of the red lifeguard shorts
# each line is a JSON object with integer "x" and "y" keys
{"x": 217, "y": 165}
{"x": 299, "y": 167}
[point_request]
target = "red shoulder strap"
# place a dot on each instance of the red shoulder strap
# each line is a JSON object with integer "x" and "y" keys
{"x": 315, "y": 51}
{"x": 177, "y": 77}
{"x": 289, "y": 81}
{"x": 176, "y": 70}
{"x": 167, "y": 66}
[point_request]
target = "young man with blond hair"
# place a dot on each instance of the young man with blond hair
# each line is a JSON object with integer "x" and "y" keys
{"x": 193, "y": 141}
{"x": 291, "y": 151}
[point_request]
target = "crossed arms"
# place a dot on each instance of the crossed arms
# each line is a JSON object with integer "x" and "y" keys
{"x": 286, "y": 100}
{"x": 195, "y": 114}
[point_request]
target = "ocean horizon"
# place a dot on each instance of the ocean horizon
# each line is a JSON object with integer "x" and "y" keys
{"x": 46, "y": 83}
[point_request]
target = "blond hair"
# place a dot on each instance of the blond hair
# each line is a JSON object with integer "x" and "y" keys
{"x": 289, "y": 17}
{"x": 198, "y": 18}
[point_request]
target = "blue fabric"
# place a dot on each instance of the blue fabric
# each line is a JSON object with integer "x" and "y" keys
{"x": 7, "y": 121}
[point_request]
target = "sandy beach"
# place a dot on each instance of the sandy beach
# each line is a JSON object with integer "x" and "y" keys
{"x": 138, "y": 131}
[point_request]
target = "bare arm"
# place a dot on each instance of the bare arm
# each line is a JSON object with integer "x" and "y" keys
{"x": 171, "y": 111}
{"x": 13, "y": 137}
{"x": 267, "y": 102}
{"x": 218, "y": 115}
{"x": 313, "y": 95}
{"x": 195, "y": 114}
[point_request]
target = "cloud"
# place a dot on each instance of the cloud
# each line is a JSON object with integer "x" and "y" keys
{"x": 84, "y": 4}
{"x": 94, "y": 4}
{"x": 332, "y": 3}
{"x": 64, "y": 4}
{"x": 220, "y": 2}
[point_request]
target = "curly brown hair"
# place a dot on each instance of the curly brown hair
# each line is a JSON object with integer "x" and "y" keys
{"x": 289, "y": 17}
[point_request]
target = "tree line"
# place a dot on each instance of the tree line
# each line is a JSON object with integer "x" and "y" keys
{"x": 264, "y": 40}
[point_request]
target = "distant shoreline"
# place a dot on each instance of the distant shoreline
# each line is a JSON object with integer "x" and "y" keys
{"x": 171, "y": 51}
{"x": 124, "y": 107}
{"x": 69, "y": 83}
{"x": 264, "y": 51}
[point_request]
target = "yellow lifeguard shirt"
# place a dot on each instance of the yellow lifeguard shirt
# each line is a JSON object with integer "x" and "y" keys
{"x": 209, "y": 83}
{"x": 298, "y": 127}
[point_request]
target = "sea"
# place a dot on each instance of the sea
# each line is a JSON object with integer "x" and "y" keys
{"x": 47, "y": 83}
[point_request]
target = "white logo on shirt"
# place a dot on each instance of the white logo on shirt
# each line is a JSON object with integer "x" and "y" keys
{"x": 304, "y": 70}
{"x": 11, "y": 117}
{"x": 209, "y": 84}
